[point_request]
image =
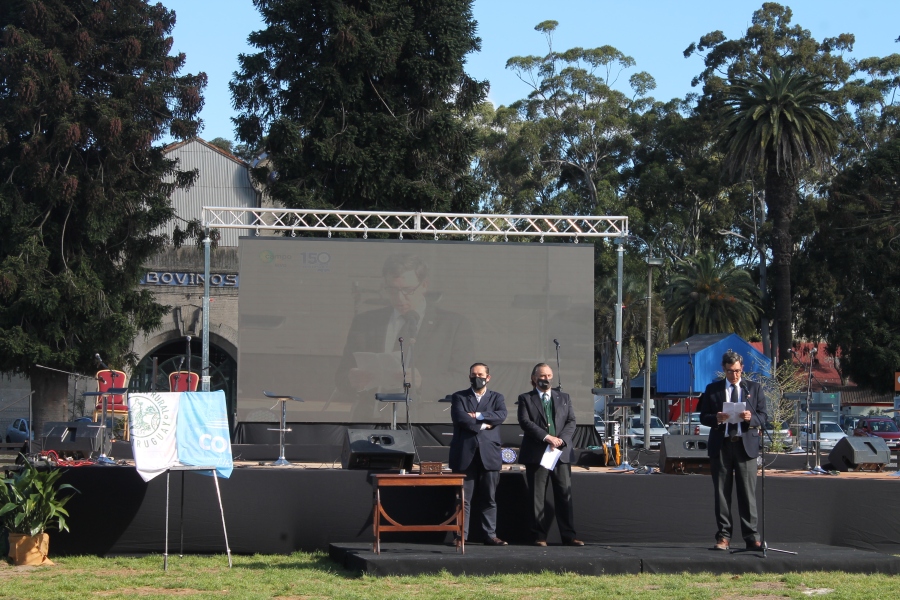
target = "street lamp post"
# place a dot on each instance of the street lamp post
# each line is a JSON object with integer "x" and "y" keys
{"x": 651, "y": 262}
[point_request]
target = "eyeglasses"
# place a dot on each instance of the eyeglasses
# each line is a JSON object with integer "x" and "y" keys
{"x": 406, "y": 292}
{"x": 734, "y": 371}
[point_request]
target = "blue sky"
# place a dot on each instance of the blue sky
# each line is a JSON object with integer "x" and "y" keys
{"x": 655, "y": 33}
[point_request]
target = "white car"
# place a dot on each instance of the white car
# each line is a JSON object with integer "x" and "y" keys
{"x": 636, "y": 432}
{"x": 830, "y": 433}
{"x": 691, "y": 427}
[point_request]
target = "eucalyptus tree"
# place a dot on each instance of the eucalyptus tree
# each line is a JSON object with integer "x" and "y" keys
{"x": 567, "y": 142}
{"x": 86, "y": 88}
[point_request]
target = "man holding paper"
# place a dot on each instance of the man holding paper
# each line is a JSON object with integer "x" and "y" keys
{"x": 548, "y": 420}
{"x": 735, "y": 410}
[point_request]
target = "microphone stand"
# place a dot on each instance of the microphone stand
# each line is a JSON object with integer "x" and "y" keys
{"x": 406, "y": 386}
{"x": 808, "y": 412}
{"x": 762, "y": 521}
{"x": 558, "y": 369}
{"x": 188, "y": 342}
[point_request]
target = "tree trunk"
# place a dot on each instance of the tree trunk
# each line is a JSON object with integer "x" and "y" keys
{"x": 51, "y": 395}
{"x": 781, "y": 202}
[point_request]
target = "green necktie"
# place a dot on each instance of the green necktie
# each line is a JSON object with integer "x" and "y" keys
{"x": 548, "y": 412}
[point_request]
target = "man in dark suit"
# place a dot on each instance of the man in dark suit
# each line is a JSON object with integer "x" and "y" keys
{"x": 475, "y": 449}
{"x": 733, "y": 448}
{"x": 548, "y": 420}
{"x": 437, "y": 345}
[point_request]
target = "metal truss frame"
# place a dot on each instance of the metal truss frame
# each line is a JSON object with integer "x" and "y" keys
{"x": 472, "y": 226}
{"x": 488, "y": 227}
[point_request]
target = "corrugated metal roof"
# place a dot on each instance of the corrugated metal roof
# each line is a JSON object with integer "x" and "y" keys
{"x": 223, "y": 180}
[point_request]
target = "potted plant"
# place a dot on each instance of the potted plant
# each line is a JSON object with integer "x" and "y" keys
{"x": 31, "y": 505}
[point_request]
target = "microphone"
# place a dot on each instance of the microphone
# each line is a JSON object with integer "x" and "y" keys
{"x": 813, "y": 350}
{"x": 100, "y": 360}
{"x": 555, "y": 341}
{"x": 400, "y": 339}
{"x": 688, "y": 346}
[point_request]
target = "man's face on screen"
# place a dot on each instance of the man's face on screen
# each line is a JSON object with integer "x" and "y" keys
{"x": 406, "y": 292}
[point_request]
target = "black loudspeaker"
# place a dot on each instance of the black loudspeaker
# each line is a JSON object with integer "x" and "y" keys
{"x": 683, "y": 454}
{"x": 378, "y": 449}
{"x": 860, "y": 454}
{"x": 76, "y": 439}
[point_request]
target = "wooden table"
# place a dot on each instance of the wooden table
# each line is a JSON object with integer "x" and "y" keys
{"x": 455, "y": 523}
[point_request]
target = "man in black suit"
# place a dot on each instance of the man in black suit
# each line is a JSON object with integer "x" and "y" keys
{"x": 548, "y": 420}
{"x": 437, "y": 345}
{"x": 475, "y": 449}
{"x": 733, "y": 448}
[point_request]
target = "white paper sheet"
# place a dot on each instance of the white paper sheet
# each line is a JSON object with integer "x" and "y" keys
{"x": 551, "y": 457}
{"x": 734, "y": 410}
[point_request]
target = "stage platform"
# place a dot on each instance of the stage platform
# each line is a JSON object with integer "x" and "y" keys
{"x": 279, "y": 510}
{"x": 605, "y": 559}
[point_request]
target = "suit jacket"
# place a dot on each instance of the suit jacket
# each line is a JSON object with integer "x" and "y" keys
{"x": 533, "y": 422}
{"x": 442, "y": 354}
{"x": 468, "y": 435}
{"x": 711, "y": 402}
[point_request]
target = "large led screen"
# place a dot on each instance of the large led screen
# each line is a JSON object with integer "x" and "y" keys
{"x": 320, "y": 319}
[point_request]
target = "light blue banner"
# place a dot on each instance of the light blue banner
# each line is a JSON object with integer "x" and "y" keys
{"x": 202, "y": 432}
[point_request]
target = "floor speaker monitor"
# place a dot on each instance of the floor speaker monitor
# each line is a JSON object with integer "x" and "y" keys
{"x": 76, "y": 439}
{"x": 378, "y": 450}
{"x": 860, "y": 454}
{"x": 684, "y": 454}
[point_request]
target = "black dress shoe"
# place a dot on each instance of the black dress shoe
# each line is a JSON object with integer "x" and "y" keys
{"x": 541, "y": 543}
{"x": 721, "y": 544}
{"x": 495, "y": 541}
{"x": 754, "y": 546}
{"x": 573, "y": 542}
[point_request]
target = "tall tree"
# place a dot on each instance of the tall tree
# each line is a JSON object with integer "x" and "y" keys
{"x": 777, "y": 122}
{"x": 567, "y": 141}
{"x": 363, "y": 102}
{"x": 85, "y": 90}
{"x": 706, "y": 297}
{"x": 773, "y": 42}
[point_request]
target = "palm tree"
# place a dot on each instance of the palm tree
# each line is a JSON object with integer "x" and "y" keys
{"x": 634, "y": 320}
{"x": 776, "y": 121}
{"x": 704, "y": 297}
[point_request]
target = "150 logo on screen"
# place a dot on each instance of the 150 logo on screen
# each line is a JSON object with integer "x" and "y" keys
{"x": 317, "y": 260}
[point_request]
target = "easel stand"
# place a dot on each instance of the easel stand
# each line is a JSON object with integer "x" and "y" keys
{"x": 215, "y": 478}
{"x": 625, "y": 404}
{"x": 764, "y": 548}
{"x": 282, "y": 461}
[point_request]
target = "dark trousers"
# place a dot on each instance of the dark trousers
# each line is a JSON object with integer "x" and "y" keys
{"x": 561, "y": 479}
{"x": 731, "y": 464}
{"x": 480, "y": 488}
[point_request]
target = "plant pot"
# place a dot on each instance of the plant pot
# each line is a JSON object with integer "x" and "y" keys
{"x": 29, "y": 550}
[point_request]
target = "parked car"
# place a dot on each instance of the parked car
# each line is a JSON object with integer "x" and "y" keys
{"x": 782, "y": 435}
{"x": 691, "y": 427}
{"x": 830, "y": 433}
{"x": 883, "y": 427}
{"x": 636, "y": 432}
{"x": 18, "y": 432}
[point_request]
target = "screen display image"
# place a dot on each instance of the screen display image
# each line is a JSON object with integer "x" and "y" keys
{"x": 321, "y": 319}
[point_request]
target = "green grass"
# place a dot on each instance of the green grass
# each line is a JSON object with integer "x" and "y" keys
{"x": 303, "y": 575}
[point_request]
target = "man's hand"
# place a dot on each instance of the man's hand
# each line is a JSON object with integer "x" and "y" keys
{"x": 721, "y": 417}
{"x": 555, "y": 441}
{"x": 471, "y": 414}
{"x": 746, "y": 415}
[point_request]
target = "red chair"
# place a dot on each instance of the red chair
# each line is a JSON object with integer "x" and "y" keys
{"x": 116, "y": 404}
{"x": 183, "y": 381}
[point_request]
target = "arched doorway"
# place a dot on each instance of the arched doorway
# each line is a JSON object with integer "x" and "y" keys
{"x": 222, "y": 370}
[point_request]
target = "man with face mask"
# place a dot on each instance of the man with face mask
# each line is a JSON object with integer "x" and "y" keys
{"x": 548, "y": 420}
{"x": 477, "y": 413}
